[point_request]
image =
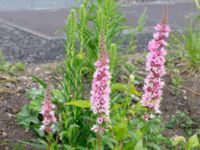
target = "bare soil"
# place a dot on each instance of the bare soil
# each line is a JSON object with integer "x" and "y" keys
{"x": 186, "y": 98}
{"x": 12, "y": 99}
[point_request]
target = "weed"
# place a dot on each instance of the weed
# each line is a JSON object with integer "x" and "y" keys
{"x": 187, "y": 54}
{"x": 9, "y": 68}
{"x": 181, "y": 120}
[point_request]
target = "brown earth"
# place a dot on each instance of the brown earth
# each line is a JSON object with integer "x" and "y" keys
{"x": 12, "y": 99}
{"x": 186, "y": 98}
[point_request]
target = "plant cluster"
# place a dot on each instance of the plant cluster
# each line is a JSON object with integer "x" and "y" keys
{"x": 64, "y": 118}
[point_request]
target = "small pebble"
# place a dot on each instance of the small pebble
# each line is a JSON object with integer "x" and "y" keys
{"x": 37, "y": 69}
{"x": 10, "y": 115}
{"x": 185, "y": 97}
{"x": 184, "y": 92}
{"x": 4, "y": 134}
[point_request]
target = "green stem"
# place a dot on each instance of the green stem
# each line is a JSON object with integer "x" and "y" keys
{"x": 49, "y": 142}
{"x": 121, "y": 144}
{"x": 98, "y": 142}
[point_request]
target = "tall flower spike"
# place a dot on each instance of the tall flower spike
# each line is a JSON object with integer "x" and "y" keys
{"x": 155, "y": 65}
{"x": 100, "y": 93}
{"x": 47, "y": 112}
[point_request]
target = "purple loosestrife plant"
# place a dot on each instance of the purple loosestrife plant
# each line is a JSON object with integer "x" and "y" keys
{"x": 155, "y": 65}
{"x": 100, "y": 93}
{"x": 48, "y": 114}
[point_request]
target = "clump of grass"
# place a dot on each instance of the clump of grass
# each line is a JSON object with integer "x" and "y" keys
{"x": 185, "y": 52}
{"x": 192, "y": 48}
{"x": 20, "y": 66}
{"x": 2, "y": 60}
{"x": 187, "y": 45}
{"x": 9, "y": 68}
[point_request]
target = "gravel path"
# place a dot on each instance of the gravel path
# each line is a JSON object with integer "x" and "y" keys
{"x": 27, "y": 47}
{"x": 13, "y": 5}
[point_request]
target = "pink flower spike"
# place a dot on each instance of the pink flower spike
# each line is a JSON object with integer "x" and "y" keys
{"x": 155, "y": 65}
{"x": 48, "y": 114}
{"x": 100, "y": 93}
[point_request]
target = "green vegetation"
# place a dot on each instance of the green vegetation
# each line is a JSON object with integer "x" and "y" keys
{"x": 131, "y": 125}
{"x": 8, "y": 68}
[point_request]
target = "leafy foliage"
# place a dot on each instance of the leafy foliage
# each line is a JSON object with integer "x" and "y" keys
{"x": 79, "y": 103}
{"x": 129, "y": 129}
{"x": 192, "y": 43}
{"x": 191, "y": 143}
{"x": 187, "y": 54}
{"x": 96, "y": 16}
{"x": 29, "y": 116}
{"x": 181, "y": 120}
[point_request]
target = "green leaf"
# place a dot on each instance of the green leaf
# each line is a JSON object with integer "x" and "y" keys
{"x": 68, "y": 147}
{"x": 106, "y": 140}
{"x": 139, "y": 145}
{"x": 58, "y": 95}
{"x": 124, "y": 87}
{"x": 37, "y": 96}
{"x": 41, "y": 82}
{"x": 26, "y": 117}
{"x": 79, "y": 103}
{"x": 137, "y": 108}
{"x": 119, "y": 87}
{"x": 113, "y": 57}
{"x": 193, "y": 141}
{"x": 139, "y": 135}
{"x": 154, "y": 146}
{"x": 116, "y": 106}
{"x": 197, "y": 4}
{"x": 36, "y": 104}
{"x": 134, "y": 91}
{"x": 34, "y": 93}
{"x": 120, "y": 129}
{"x": 35, "y": 143}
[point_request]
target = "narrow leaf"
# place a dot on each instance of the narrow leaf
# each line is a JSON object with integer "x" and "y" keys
{"x": 79, "y": 103}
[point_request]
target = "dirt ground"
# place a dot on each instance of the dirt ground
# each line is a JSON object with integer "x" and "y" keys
{"x": 186, "y": 98}
{"x": 10, "y": 131}
{"x": 12, "y": 99}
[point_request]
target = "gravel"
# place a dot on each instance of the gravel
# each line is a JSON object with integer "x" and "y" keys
{"x": 19, "y": 45}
